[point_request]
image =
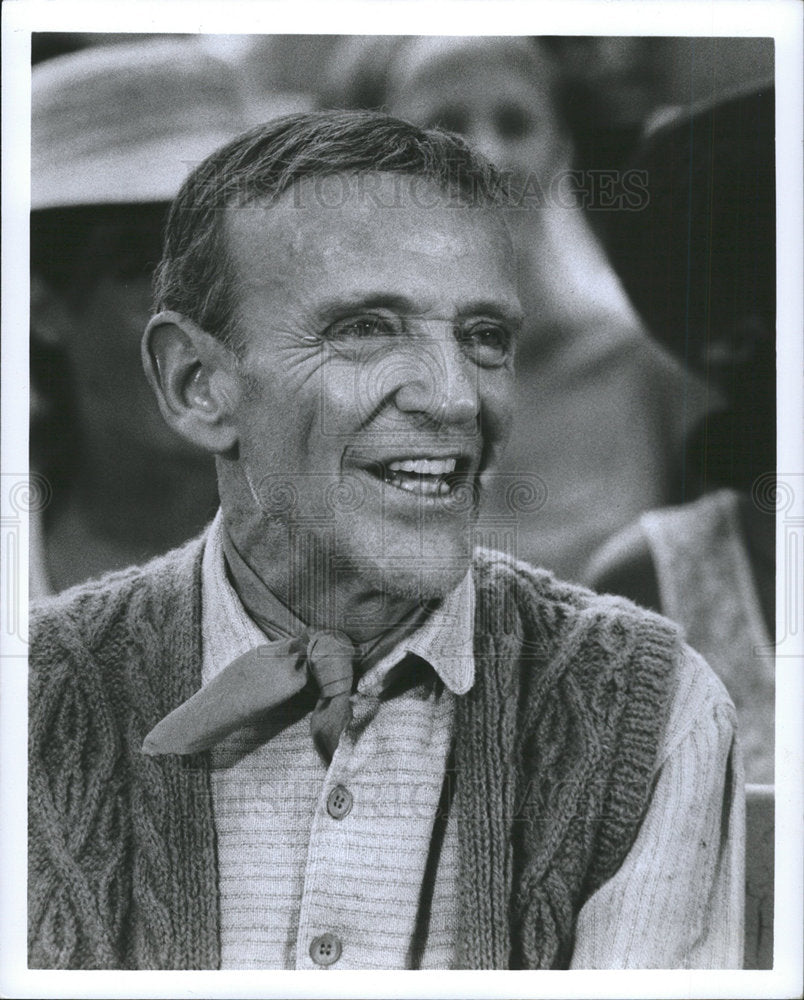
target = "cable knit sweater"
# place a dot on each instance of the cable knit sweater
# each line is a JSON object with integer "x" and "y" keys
{"x": 555, "y": 749}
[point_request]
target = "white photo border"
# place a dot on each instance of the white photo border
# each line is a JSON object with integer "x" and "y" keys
{"x": 781, "y": 19}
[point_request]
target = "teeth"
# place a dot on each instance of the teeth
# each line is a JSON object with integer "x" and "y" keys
{"x": 423, "y": 476}
{"x": 425, "y": 466}
{"x": 423, "y": 487}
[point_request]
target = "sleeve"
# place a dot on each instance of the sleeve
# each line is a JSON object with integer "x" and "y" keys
{"x": 677, "y": 900}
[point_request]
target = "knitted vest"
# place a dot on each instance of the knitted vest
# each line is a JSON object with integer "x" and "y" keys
{"x": 554, "y": 756}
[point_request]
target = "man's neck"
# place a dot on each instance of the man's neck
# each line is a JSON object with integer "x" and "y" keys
{"x": 310, "y": 593}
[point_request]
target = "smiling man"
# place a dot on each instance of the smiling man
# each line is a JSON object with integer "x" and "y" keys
{"x": 371, "y": 353}
{"x": 333, "y": 731}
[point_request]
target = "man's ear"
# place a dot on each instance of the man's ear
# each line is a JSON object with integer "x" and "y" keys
{"x": 194, "y": 378}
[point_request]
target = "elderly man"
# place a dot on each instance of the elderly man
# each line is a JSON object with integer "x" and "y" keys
{"x": 332, "y": 732}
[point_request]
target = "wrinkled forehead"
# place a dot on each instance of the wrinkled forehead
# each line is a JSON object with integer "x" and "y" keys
{"x": 386, "y": 223}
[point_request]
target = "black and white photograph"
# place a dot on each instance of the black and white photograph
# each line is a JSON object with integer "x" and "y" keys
{"x": 404, "y": 518}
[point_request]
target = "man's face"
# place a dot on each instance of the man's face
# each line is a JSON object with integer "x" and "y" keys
{"x": 378, "y": 321}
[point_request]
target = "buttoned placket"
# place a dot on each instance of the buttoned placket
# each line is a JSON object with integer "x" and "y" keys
{"x": 320, "y": 940}
{"x": 358, "y": 822}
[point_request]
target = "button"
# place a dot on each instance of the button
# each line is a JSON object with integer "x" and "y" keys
{"x": 325, "y": 949}
{"x": 339, "y": 802}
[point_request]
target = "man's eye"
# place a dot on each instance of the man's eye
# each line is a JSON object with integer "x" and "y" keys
{"x": 362, "y": 328}
{"x": 487, "y": 344}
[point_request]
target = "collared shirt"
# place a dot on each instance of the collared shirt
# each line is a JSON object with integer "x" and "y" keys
{"x": 305, "y": 850}
{"x": 321, "y": 865}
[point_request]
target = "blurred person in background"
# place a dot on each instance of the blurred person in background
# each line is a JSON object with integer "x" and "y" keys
{"x": 115, "y": 129}
{"x": 600, "y": 407}
{"x": 700, "y": 264}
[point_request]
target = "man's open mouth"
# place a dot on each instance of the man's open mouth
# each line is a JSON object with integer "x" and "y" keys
{"x": 424, "y": 476}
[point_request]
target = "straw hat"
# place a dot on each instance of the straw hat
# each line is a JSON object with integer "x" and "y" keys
{"x": 126, "y": 123}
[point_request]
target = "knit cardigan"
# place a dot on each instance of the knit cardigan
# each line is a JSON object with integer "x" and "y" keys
{"x": 555, "y": 752}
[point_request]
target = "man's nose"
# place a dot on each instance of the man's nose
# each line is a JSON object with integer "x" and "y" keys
{"x": 440, "y": 382}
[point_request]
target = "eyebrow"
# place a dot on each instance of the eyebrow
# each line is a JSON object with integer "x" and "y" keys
{"x": 508, "y": 312}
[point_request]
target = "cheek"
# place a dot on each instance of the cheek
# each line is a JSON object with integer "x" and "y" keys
{"x": 343, "y": 398}
{"x": 497, "y": 401}
{"x": 291, "y": 423}
{"x": 269, "y": 418}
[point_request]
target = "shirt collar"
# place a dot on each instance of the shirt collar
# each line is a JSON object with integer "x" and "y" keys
{"x": 445, "y": 639}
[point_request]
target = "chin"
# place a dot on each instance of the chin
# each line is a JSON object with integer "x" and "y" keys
{"x": 422, "y": 570}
